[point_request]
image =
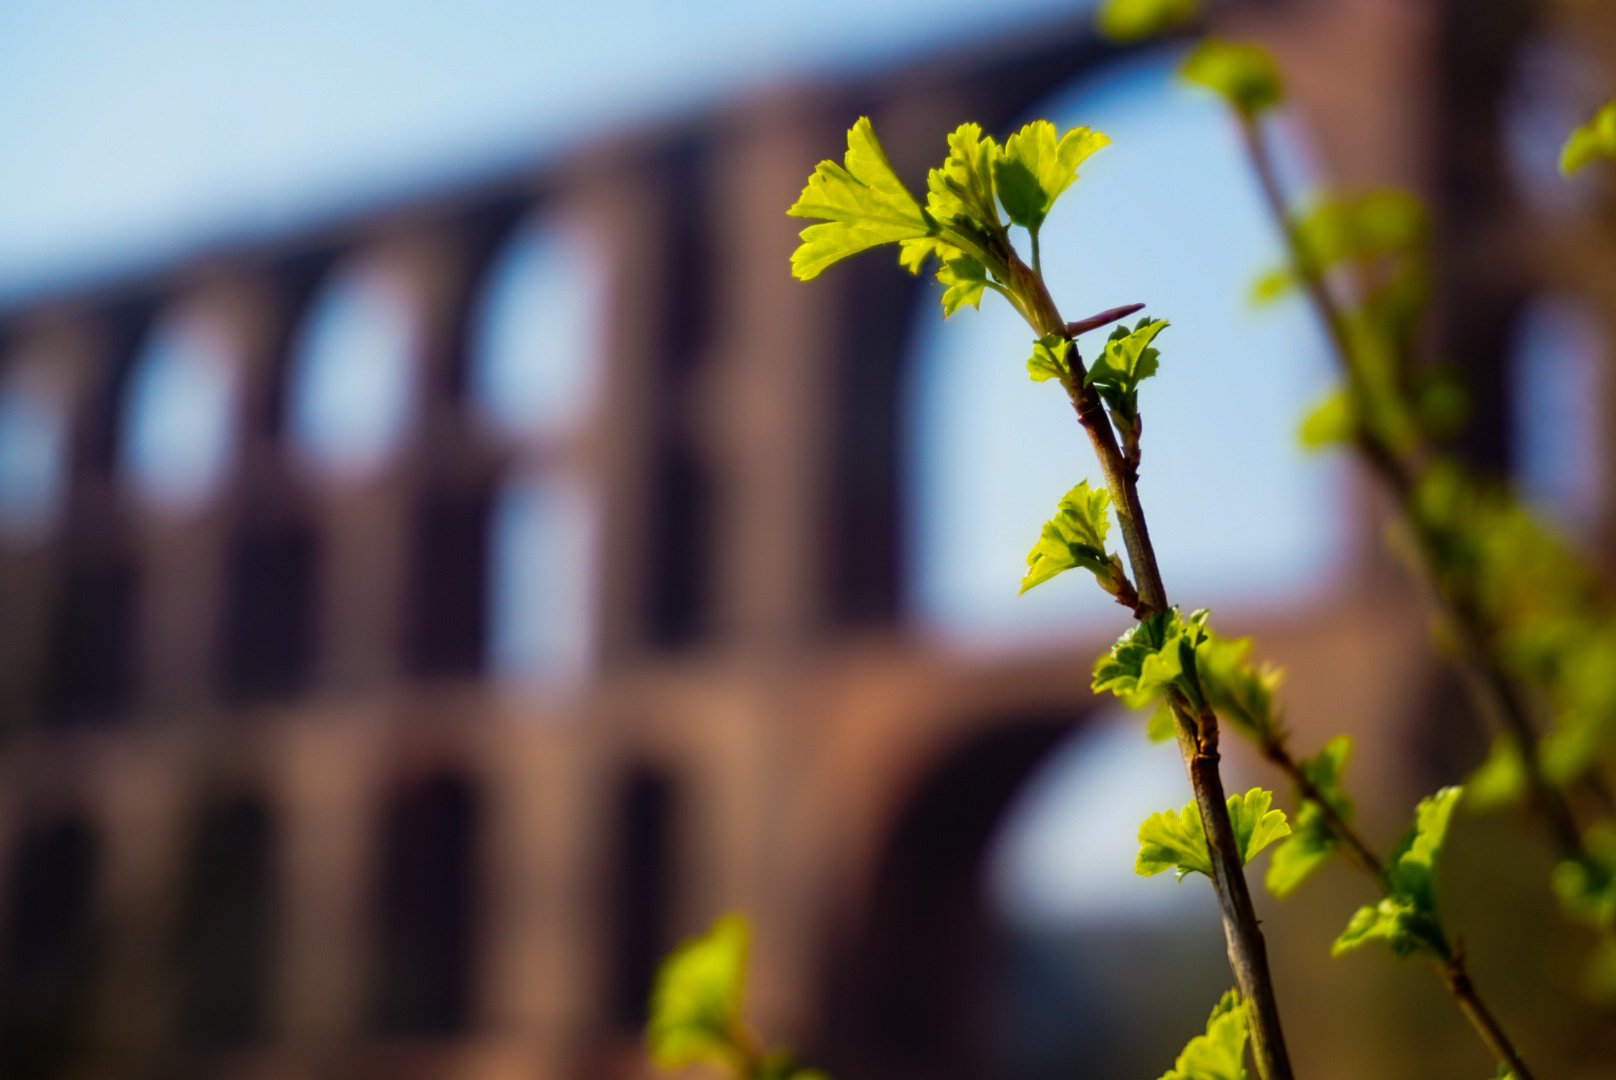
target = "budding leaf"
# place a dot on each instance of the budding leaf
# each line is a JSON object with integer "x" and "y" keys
{"x": 862, "y": 203}
{"x": 1595, "y": 139}
{"x": 1074, "y": 537}
{"x": 965, "y": 279}
{"x": 696, "y": 1001}
{"x": 1035, "y": 168}
{"x": 1244, "y": 75}
{"x": 1220, "y": 1054}
{"x": 1176, "y": 840}
{"x": 1135, "y": 20}
{"x": 1048, "y": 360}
{"x": 1241, "y": 693}
{"x": 1407, "y": 919}
{"x": 1127, "y": 361}
{"x": 1312, "y": 842}
{"x": 960, "y": 193}
{"x": 1153, "y": 654}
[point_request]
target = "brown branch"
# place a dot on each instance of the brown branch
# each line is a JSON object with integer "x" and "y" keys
{"x": 1197, "y": 735}
{"x": 1489, "y": 688}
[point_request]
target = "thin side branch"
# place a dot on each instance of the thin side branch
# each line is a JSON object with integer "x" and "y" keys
{"x": 1490, "y": 689}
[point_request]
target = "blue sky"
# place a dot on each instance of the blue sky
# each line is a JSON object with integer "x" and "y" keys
{"x": 136, "y": 129}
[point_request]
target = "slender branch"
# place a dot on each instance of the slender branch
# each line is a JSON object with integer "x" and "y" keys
{"x": 1490, "y": 689}
{"x": 1094, "y": 322}
{"x": 1454, "y": 974}
{"x": 1197, "y": 735}
{"x": 1357, "y": 852}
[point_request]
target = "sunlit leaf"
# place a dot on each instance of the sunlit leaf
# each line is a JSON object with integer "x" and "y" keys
{"x": 965, "y": 280}
{"x": 1176, "y": 839}
{"x": 862, "y": 203}
{"x": 1593, "y": 140}
{"x": 1312, "y": 842}
{"x": 1220, "y": 1054}
{"x": 696, "y": 1000}
{"x": 1407, "y": 919}
{"x": 1074, "y": 537}
{"x": 1128, "y": 360}
{"x": 1135, "y": 20}
{"x": 1049, "y": 359}
{"x": 1150, "y": 656}
{"x": 1243, "y": 75}
{"x": 1330, "y": 422}
{"x": 1035, "y": 167}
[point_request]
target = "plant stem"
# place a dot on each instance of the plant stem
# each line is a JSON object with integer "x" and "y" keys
{"x": 1452, "y": 968}
{"x": 1489, "y": 688}
{"x": 1454, "y": 974}
{"x": 1197, "y": 735}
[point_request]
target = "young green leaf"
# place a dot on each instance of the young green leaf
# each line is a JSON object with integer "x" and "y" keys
{"x": 1587, "y": 886}
{"x": 1498, "y": 781}
{"x": 1330, "y": 422}
{"x": 1312, "y": 842}
{"x": 1151, "y": 655}
{"x": 1075, "y": 537}
{"x": 1135, "y": 20}
{"x": 1220, "y": 1054}
{"x": 1161, "y": 725}
{"x": 1049, "y": 359}
{"x": 965, "y": 279}
{"x": 1176, "y": 840}
{"x": 1595, "y": 139}
{"x": 960, "y": 193}
{"x": 1407, "y": 919}
{"x": 862, "y": 203}
{"x": 1241, "y": 693}
{"x": 1244, "y": 75}
{"x": 1127, "y": 361}
{"x": 1035, "y": 168}
{"x": 696, "y": 1001}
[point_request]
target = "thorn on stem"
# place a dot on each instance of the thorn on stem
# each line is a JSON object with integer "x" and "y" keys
{"x": 1094, "y": 322}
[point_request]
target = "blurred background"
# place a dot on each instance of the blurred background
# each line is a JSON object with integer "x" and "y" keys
{"x": 445, "y": 559}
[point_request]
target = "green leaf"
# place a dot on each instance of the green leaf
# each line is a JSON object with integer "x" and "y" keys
{"x": 1127, "y": 361}
{"x": 1049, "y": 359}
{"x": 1035, "y": 168}
{"x": 1595, "y": 139}
{"x": 1244, "y": 75}
{"x": 1176, "y": 839}
{"x": 1407, "y": 919}
{"x": 1312, "y": 842}
{"x": 1075, "y": 537}
{"x": 863, "y": 204}
{"x": 1241, "y": 693}
{"x": 1220, "y": 1054}
{"x": 1500, "y": 780}
{"x": 1161, "y": 725}
{"x": 965, "y": 279}
{"x": 696, "y": 1001}
{"x": 912, "y": 254}
{"x": 1135, "y": 20}
{"x": 1587, "y": 887}
{"x": 960, "y": 193}
{"x": 1393, "y": 920}
{"x": 1151, "y": 655}
{"x": 1330, "y": 422}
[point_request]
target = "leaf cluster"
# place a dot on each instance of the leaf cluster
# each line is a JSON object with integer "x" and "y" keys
{"x": 981, "y": 189}
{"x": 1407, "y": 918}
{"x": 1176, "y": 839}
{"x": 1128, "y": 360}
